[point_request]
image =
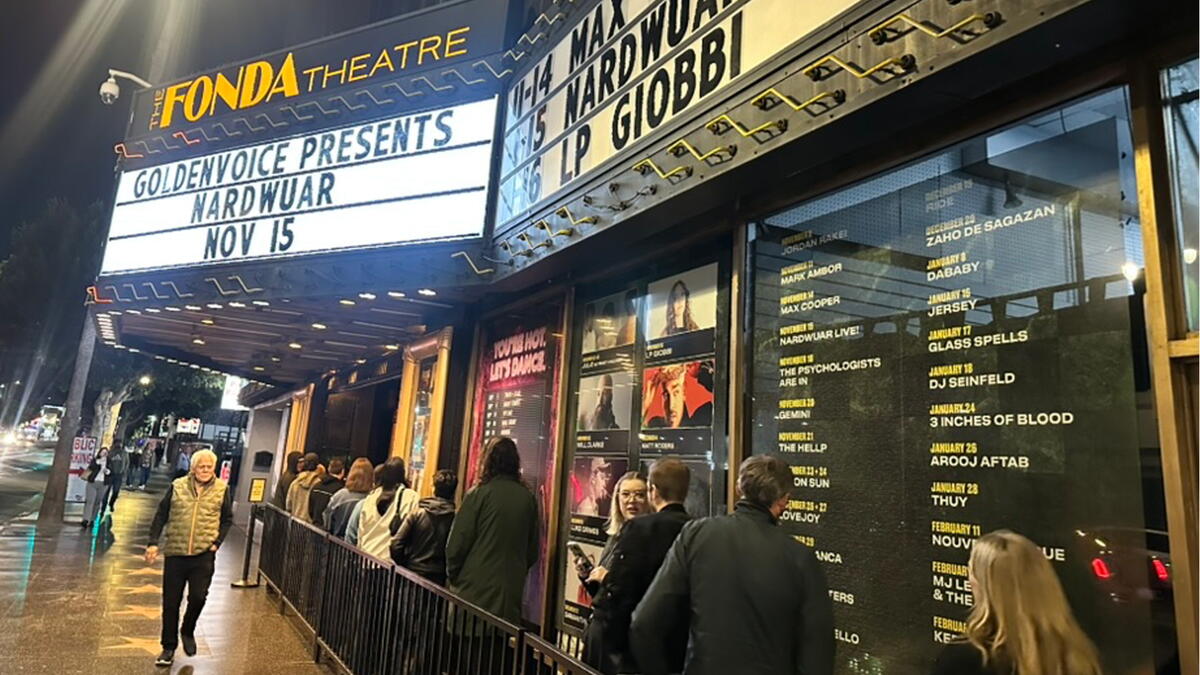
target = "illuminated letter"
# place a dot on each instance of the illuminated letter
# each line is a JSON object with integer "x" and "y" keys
{"x": 403, "y": 49}
{"x": 383, "y": 61}
{"x": 202, "y": 90}
{"x": 173, "y": 97}
{"x": 256, "y": 84}
{"x": 452, "y": 41}
{"x": 285, "y": 81}
{"x": 228, "y": 91}
{"x": 356, "y": 66}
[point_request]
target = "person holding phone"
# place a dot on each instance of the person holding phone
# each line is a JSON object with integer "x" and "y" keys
{"x": 628, "y": 502}
{"x": 635, "y": 559}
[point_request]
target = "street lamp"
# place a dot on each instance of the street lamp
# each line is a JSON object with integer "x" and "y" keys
{"x": 110, "y": 91}
{"x": 144, "y": 380}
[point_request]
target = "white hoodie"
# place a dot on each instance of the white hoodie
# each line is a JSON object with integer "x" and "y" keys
{"x": 374, "y": 535}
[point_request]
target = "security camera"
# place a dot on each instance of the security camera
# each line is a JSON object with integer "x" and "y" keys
{"x": 109, "y": 91}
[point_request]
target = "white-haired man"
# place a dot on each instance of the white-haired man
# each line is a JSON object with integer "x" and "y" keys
{"x": 196, "y": 514}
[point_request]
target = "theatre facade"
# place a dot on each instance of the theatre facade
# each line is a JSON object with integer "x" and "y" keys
{"x": 939, "y": 255}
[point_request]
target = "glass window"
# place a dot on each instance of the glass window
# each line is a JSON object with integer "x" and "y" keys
{"x": 1180, "y": 85}
{"x": 957, "y": 346}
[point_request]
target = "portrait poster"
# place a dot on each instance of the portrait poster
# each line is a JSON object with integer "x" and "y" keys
{"x": 609, "y": 322}
{"x": 593, "y": 480}
{"x": 700, "y": 484}
{"x": 681, "y": 314}
{"x": 605, "y": 412}
{"x": 577, "y": 602}
{"x": 516, "y": 395}
{"x": 677, "y": 407}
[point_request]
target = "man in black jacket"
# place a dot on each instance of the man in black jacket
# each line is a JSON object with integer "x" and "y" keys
{"x": 333, "y": 480}
{"x": 419, "y": 541}
{"x": 756, "y": 597}
{"x": 640, "y": 551}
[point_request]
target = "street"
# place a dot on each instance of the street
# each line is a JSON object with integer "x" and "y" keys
{"x": 23, "y": 471}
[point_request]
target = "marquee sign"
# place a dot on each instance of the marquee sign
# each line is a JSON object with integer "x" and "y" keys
{"x": 627, "y": 68}
{"x": 452, "y": 35}
{"x": 415, "y": 177}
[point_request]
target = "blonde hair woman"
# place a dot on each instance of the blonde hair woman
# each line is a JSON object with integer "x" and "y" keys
{"x": 1021, "y": 623}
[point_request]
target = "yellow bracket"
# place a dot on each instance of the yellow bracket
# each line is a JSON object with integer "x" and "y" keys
{"x": 679, "y": 147}
{"x": 524, "y": 236}
{"x": 991, "y": 20}
{"x": 905, "y": 61}
{"x": 544, "y": 225}
{"x": 517, "y": 252}
{"x": 646, "y": 165}
{"x": 760, "y": 101}
{"x": 716, "y": 126}
{"x": 474, "y": 267}
{"x": 564, "y": 212}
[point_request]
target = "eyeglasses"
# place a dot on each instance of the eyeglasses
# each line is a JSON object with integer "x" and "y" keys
{"x": 632, "y": 494}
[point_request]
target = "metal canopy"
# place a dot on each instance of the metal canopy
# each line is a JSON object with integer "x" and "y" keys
{"x": 287, "y": 322}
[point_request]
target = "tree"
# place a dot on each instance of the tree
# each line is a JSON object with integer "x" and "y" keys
{"x": 117, "y": 378}
{"x": 52, "y": 259}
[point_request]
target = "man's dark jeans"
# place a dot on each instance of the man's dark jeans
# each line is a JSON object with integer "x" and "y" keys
{"x": 194, "y": 571}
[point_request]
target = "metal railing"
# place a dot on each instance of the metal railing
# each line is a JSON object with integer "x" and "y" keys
{"x": 371, "y": 616}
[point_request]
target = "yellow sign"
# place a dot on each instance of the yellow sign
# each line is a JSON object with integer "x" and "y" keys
{"x": 263, "y": 81}
{"x": 258, "y": 490}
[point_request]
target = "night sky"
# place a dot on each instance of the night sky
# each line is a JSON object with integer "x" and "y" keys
{"x": 56, "y": 137}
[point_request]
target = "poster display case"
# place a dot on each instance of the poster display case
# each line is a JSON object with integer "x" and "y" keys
{"x": 958, "y": 346}
{"x": 646, "y": 381}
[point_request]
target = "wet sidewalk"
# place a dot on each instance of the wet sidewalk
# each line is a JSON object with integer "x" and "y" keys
{"x": 83, "y": 601}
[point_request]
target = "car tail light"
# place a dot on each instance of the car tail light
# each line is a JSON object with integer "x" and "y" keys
{"x": 1101, "y": 569}
{"x": 1160, "y": 570}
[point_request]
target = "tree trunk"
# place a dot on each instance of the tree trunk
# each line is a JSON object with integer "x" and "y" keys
{"x": 55, "y": 495}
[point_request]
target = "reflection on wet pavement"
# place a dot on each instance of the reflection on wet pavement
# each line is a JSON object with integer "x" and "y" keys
{"x": 84, "y": 601}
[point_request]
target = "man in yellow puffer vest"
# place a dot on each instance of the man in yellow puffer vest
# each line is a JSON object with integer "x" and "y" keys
{"x": 196, "y": 512}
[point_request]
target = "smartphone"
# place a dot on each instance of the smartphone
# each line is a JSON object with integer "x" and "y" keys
{"x": 583, "y": 564}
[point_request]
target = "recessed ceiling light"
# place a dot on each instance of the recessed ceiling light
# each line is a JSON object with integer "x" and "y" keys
{"x": 214, "y": 305}
{"x": 259, "y": 369}
{"x": 295, "y": 345}
{"x": 391, "y": 348}
{"x": 153, "y": 310}
{"x": 239, "y": 305}
{"x": 427, "y": 292}
{"x": 114, "y": 311}
{"x": 198, "y": 340}
{"x": 260, "y": 303}
{"x": 319, "y": 326}
{"x": 133, "y": 311}
{"x": 367, "y": 296}
{"x": 207, "y": 322}
{"x": 194, "y": 308}
{"x": 396, "y": 294}
{"x": 275, "y": 359}
{"x": 360, "y": 361}
{"x": 347, "y": 302}
{"x": 192, "y": 365}
{"x": 134, "y": 351}
{"x": 172, "y": 309}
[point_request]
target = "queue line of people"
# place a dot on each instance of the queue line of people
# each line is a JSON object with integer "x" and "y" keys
{"x": 671, "y": 594}
{"x": 482, "y": 551}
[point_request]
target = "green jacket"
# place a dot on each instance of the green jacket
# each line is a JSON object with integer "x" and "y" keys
{"x": 194, "y": 521}
{"x": 492, "y": 545}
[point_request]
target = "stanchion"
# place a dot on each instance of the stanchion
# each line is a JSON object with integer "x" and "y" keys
{"x": 245, "y": 581}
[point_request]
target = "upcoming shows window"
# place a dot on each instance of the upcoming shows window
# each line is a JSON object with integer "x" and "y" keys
{"x": 956, "y": 347}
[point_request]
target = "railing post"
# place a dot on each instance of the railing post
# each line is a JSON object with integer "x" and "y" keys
{"x": 245, "y": 582}
{"x": 319, "y": 628}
